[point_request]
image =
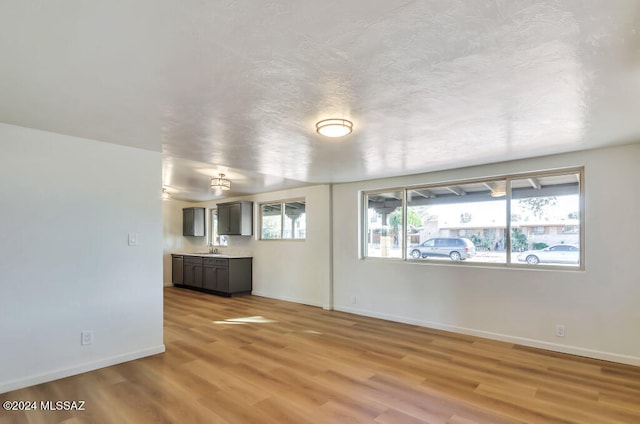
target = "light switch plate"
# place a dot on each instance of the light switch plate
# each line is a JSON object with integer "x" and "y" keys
{"x": 86, "y": 338}
{"x": 133, "y": 239}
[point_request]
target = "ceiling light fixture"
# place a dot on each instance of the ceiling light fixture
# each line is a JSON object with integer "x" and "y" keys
{"x": 220, "y": 183}
{"x": 165, "y": 194}
{"x": 334, "y": 127}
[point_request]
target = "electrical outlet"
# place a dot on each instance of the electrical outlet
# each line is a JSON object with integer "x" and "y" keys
{"x": 560, "y": 330}
{"x": 86, "y": 338}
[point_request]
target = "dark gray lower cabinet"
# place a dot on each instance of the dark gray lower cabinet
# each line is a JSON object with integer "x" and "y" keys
{"x": 193, "y": 271}
{"x": 216, "y": 274}
{"x": 177, "y": 269}
{"x": 225, "y": 276}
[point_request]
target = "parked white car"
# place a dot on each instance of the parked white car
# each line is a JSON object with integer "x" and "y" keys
{"x": 558, "y": 254}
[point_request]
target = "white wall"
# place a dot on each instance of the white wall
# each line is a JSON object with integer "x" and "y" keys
{"x": 173, "y": 241}
{"x": 599, "y": 306}
{"x": 67, "y": 206}
{"x": 297, "y": 271}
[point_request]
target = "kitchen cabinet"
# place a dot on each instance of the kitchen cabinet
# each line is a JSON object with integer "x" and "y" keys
{"x": 177, "y": 269}
{"x": 192, "y": 271}
{"x": 227, "y": 276}
{"x": 216, "y": 274}
{"x": 193, "y": 222}
{"x": 235, "y": 218}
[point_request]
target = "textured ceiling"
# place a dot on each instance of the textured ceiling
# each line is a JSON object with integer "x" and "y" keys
{"x": 237, "y": 86}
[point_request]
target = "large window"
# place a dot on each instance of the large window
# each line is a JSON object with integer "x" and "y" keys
{"x": 521, "y": 220}
{"x": 283, "y": 220}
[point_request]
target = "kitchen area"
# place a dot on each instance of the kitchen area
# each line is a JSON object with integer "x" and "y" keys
{"x": 210, "y": 270}
{"x": 293, "y": 270}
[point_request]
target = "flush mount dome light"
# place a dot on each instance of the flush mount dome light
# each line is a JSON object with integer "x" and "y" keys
{"x": 334, "y": 127}
{"x": 220, "y": 183}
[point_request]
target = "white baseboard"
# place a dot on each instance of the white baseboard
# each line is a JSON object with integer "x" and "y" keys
{"x": 286, "y": 298}
{"x": 8, "y": 386}
{"x": 541, "y": 344}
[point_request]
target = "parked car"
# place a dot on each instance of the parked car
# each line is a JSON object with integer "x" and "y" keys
{"x": 456, "y": 248}
{"x": 558, "y": 254}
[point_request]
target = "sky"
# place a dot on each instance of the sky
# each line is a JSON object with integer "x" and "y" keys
{"x": 494, "y": 211}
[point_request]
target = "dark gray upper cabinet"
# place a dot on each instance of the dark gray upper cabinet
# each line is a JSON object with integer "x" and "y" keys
{"x": 235, "y": 219}
{"x": 193, "y": 222}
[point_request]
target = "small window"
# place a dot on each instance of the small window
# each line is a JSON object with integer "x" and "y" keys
{"x": 295, "y": 220}
{"x": 283, "y": 220}
{"x": 216, "y": 239}
{"x": 271, "y": 221}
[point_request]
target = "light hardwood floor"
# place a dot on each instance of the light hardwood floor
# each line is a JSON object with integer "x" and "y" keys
{"x": 292, "y": 363}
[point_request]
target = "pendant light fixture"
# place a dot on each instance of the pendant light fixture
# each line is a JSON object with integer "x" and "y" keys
{"x": 220, "y": 183}
{"x": 334, "y": 127}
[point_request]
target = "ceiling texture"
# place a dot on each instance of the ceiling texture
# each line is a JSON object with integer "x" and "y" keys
{"x": 237, "y": 86}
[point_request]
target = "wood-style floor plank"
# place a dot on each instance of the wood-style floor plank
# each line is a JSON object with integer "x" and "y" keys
{"x": 257, "y": 360}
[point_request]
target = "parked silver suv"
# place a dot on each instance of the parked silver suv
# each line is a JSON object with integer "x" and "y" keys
{"x": 456, "y": 248}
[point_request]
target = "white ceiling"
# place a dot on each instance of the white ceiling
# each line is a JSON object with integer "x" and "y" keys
{"x": 237, "y": 86}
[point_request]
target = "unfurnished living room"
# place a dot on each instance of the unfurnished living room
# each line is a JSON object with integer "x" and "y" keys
{"x": 391, "y": 211}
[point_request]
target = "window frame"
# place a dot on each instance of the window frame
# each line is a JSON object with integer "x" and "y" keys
{"x": 508, "y": 179}
{"x": 283, "y": 205}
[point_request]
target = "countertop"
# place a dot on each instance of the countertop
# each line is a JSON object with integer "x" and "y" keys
{"x": 213, "y": 255}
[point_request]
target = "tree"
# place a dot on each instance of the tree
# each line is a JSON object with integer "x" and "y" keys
{"x": 573, "y": 215}
{"x": 518, "y": 240}
{"x": 465, "y": 218}
{"x": 395, "y": 219}
{"x": 538, "y": 205}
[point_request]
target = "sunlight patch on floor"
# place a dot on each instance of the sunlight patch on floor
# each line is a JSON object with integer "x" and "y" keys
{"x": 246, "y": 320}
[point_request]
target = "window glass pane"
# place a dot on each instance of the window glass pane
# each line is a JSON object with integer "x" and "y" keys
{"x": 216, "y": 239}
{"x": 271, "y": 221}
{"x": 465, "y": 222}
{"x": 384, "y": 227}
{"x": 545, "y": 220}
{"x": 295, "y": 220}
